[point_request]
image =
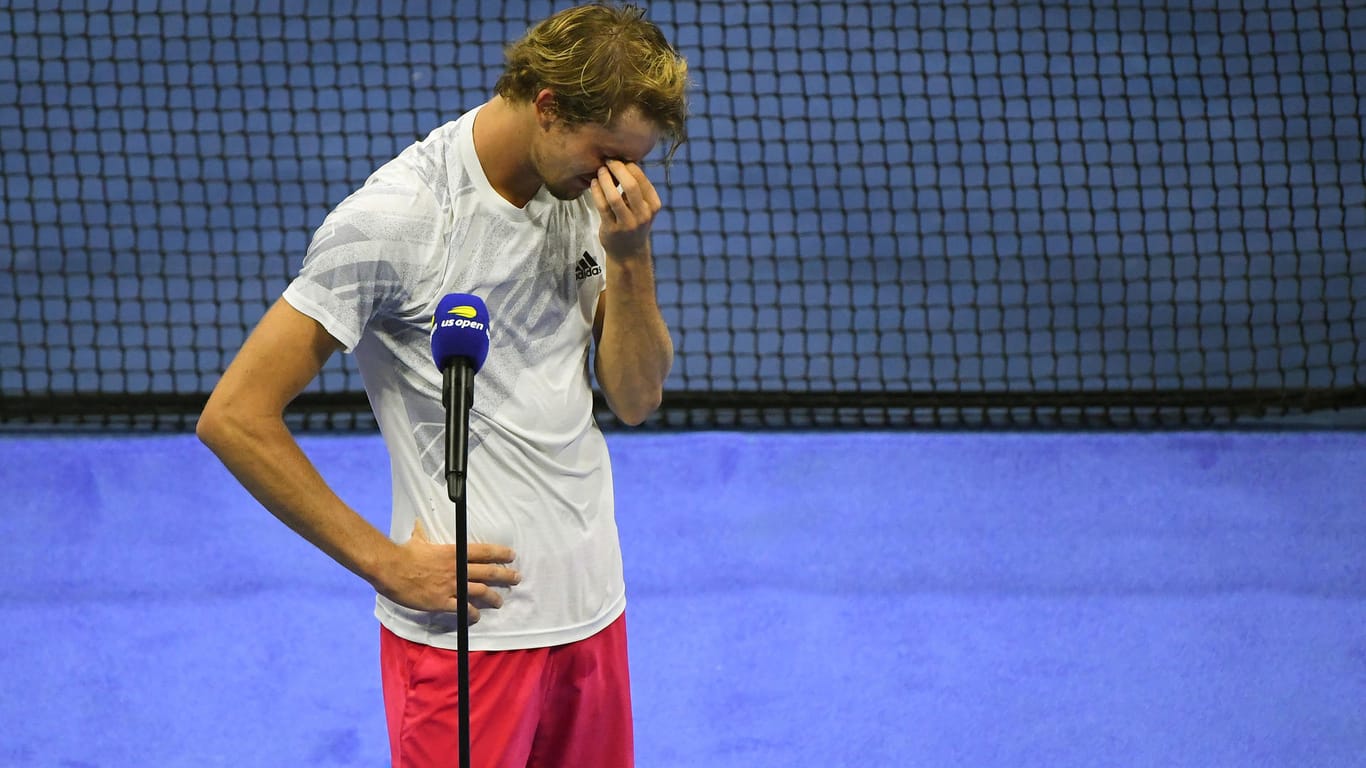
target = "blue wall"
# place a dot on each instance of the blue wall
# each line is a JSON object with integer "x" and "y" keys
{"x": 879, "y": 196}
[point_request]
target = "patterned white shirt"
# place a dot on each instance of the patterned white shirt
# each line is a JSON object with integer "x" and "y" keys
{"x": 426, "y": 224}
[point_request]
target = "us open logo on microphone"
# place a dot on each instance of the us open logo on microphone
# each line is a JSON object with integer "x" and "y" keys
{"x": 465, "y": 319}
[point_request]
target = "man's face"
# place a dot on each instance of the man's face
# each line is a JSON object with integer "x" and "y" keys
{"x": 569, "y": 157}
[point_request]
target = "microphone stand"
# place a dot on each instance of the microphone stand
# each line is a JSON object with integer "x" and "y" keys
{"x": 458, "y": 379}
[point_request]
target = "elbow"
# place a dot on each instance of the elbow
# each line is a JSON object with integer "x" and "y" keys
{"x": 634, "y": 393}
{"x": 638, "y": 409}
{"x": 220, "y": 427}
{"x": 210, "y": 427}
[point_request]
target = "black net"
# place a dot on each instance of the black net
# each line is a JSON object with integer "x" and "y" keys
{"x": 889, "y": 214}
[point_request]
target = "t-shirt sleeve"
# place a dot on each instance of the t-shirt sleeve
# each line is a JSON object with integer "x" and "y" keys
{"x": 368, "y": 254}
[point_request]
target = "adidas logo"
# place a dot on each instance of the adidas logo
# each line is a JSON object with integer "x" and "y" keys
{"x": 587, "y": 267}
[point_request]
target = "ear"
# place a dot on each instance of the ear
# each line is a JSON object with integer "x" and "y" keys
{"x": 544, "y": 104}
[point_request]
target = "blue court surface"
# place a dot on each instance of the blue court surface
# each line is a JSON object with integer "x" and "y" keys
{"x": 796, "y": 599}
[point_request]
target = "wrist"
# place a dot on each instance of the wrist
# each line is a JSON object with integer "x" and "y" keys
{"x": 629, "y": 256}
{"x": 378, "y": 564}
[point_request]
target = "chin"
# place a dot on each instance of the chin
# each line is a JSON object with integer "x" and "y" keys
{"x": 560, "y": 193}
{"x": 572, "y": 189}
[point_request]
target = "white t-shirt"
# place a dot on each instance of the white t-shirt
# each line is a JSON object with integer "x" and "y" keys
{"x": 426, "y": 224}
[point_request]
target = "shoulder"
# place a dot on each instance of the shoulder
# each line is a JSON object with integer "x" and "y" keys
{"x": 399, "y": 201}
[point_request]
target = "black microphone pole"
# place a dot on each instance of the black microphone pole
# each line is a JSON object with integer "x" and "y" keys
{"x": 458, "y": 392}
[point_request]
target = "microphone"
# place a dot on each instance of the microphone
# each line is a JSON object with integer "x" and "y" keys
{"x": 460, "y": 344}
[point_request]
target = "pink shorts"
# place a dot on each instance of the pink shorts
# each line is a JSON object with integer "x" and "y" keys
{"x": 568, "y": 705}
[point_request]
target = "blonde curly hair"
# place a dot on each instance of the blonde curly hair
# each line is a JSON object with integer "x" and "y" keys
{"x": 600, "y": 60}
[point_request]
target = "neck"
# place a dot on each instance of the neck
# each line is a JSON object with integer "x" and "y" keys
{"x": 502, "y": 141}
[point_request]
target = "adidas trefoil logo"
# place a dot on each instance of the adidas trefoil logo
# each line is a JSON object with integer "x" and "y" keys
{"x": 586, "y": 267}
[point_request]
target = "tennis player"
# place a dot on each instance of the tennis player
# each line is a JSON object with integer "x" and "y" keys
{"x": 535, "y": 201}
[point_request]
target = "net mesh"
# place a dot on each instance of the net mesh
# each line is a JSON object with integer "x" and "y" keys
{"x": 888, "y": 215}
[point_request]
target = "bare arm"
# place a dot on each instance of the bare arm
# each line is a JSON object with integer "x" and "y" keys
{"x": 634, "y": 350}
{"x": 243, "y": 424}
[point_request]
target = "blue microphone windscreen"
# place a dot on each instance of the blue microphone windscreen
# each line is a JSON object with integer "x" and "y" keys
{"x": 460, "y": 328}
